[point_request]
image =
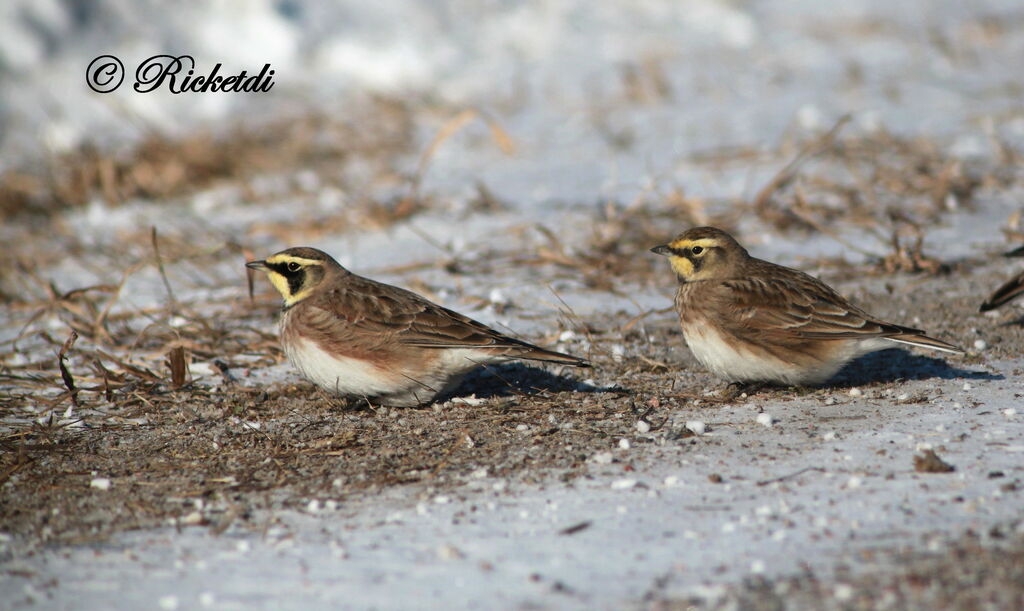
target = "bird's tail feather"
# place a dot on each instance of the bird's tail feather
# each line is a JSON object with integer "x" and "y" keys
{"x": 923, "y": 341}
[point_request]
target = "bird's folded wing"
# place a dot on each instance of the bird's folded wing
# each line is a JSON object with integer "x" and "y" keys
{"x": 806, "y": 311}
{"x": 387, "y": 314}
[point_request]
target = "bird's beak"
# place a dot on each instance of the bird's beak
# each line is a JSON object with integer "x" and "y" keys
{"x": 1019, "y": 252}
{"x": 662, "y": 250}
{"x": 260, "y": 265}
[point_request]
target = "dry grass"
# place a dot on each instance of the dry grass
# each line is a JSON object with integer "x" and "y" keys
{"x": 161, "y": 167}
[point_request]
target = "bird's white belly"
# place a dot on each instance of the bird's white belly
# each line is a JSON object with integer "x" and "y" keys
{"x": 339, "y": 374}
{"x": 360, "y": 378}
{"x": 730, "y": 360}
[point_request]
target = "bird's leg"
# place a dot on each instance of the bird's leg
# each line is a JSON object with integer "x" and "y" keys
{"x": 735, "y": 390}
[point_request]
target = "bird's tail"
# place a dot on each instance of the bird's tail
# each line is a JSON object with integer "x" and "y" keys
{"x": 923, "y": 341}
{"x": 550, "y": 356}
{"x": 1004, "y": 293}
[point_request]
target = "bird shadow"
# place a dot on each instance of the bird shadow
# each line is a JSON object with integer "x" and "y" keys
{"x": 510, "y": 379}
{"x": 898, "y": 364}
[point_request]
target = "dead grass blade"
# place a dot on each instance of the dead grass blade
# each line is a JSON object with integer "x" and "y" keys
{"x": 172, "y": 302}
{"x": 789, "y": 171}
{"x": 178, "y": 367}
{"x": 69, "y": 381}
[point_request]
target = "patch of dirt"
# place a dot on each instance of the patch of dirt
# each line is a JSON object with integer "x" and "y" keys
{"x": 967, "y": 574}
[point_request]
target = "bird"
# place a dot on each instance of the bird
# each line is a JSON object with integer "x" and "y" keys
{"x": 1010, "y": 290}
{"x": 356, "y": 337}
{"x": 750, "y": 321}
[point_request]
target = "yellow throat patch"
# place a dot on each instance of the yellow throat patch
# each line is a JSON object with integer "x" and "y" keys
{"x": 291, "y": 293}
{"x": 683, "y": 266}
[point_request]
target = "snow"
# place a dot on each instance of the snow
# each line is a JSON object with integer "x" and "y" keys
{"x": 491, "y": 545}
{"x": 707, "y": 74}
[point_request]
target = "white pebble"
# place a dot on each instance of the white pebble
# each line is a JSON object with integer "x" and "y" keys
{"x": 522, "y": 427}
{"x": 497, "y": 297}
{"x": 1009, "y": 412}
{"x": 757, "y": 566}
{"x": 642, "y": 426}
{"x": 902, "y": 396}
{"x": 442, "y": 499}
{"x": 168, "y": 602}
{"x": 765, "y": 419}
{"x": 843, "y": 592}
{"x": 967, "y": 386}
{"x": 829, "y": 436}
{"x": 980, "y": 344}
{"x": 207, "y": 599}
{"x": 623, "y": 484}
{"x": 830, "y": 401}
{"x": 192, "y": 519}
{"x": 313, "y": 506}
{"x": 671, "y": 480}
{"x": 448, "y": 552}
{"x": 624, "y": 443}
{"x": 602, "y": 458}
{"x": 567, "y": 335}
{"x": 479, "y": 473}
{"x": 100, "y": 483}
{"x": 854, "y": 482}
{"x": 696, "y": 427}
{"x": 855, "y": 392}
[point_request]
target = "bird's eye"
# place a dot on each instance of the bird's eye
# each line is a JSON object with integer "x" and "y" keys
{"x": 293, "y": 266}
{"x": 697, "y": 250}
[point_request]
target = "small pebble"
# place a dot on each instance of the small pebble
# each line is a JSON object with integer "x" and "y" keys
{"x": 696, "y": 427}
{"x": 855, "y": 392}
{"x": 980, "y": 344}
{"x": 100, "y": 483}
{"x": 830, "y": 401}
{"x": 313, "y": 506}
{"x": 1009, "y": 412}
{"x": 642, "y": 426}
{"x": 765, "y": 419}
{"x": 624, "y": 443}
{"x": 829, "y": 436}
{"x": 602, "y": 458}
{"x": 448, "y": 552}
{"x": 854, "y": 482}
{"x": 671, "y": 480}
{"x": 168, "y": 602}
{"x": 843, "y": 592}
{"x": 623, "y": 484}
{"x": 967, "y": 386}
{"x": 902, "y": 396}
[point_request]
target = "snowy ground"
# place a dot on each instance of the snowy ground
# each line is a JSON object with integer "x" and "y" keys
{"x": 561, "y": 139}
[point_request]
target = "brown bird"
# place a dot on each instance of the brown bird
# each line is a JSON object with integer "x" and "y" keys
{"x": 356, "y": 337}
{"x": 749, "y": 320}
{"x": 1005, "y": 293}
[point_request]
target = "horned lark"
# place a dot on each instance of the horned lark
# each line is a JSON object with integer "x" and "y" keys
{"x": 749, "y": 320}
{"x": 1005, "y": 293}
{"x": 356, "y": 337}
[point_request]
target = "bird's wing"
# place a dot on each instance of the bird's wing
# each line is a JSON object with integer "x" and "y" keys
{"x": 797, "y": 306}
{"x": 371, "y": 315}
